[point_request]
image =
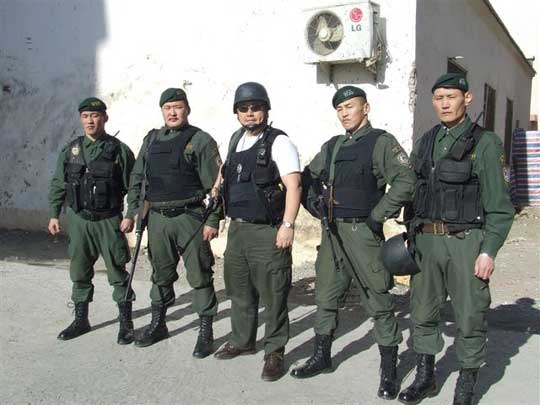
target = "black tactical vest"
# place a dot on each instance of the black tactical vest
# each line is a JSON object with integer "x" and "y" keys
{"x": 448, "y": 190}
{"x": 170, "y": 176}
{"x": 95, "y": 186}
{"x": 253, "y": 190}
{"x": 355, "y": 191}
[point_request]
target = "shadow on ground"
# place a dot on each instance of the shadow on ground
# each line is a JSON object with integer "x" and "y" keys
{"x": 510, "y": 327}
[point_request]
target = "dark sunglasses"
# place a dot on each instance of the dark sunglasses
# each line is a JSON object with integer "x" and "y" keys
{"x": 253, "y": 107}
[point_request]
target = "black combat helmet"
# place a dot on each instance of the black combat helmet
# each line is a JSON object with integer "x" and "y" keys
{"x": 250, "y": 91}
{"x": 397, "y": 257}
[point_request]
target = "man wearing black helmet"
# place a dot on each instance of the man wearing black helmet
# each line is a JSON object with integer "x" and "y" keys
{"x": 351, "y": 174}
{"x": 261, "y": 190}
{"x": 180, "y": 162}
{"x": 462, "y": 215}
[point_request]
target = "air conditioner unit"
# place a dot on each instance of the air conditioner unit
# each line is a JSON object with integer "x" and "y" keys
{"x": 342, "y": 33}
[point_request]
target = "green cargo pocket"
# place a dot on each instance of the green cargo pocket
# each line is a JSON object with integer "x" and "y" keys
{"x": 379, "y": 280}
{"x": 281, "y": 280}
{"x": 120, "y": 249}
{"x": 206, "y": 255}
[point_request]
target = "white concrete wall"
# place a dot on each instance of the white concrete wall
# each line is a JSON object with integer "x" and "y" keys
{"x": 522, "y": 18}
{"x": 47, "y": 62}
{"x": 54, "y": 54}
{"x": 466, "y": 28}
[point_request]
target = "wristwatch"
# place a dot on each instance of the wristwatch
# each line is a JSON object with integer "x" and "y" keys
{"x": 287, "y": 224}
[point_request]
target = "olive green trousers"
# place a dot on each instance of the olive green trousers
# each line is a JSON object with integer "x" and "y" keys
{"x": 447, "y": 269}
{"x": 88, "y": 240}
{"x": 255, "y": 269}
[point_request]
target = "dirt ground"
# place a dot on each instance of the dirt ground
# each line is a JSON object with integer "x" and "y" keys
{"x": 517, "y": 272}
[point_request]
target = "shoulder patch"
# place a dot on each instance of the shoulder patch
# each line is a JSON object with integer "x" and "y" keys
{"x": 75, "y": 150}
{"x": 217, "y": 157}
{"x": 506, "y": 173}
{"x": 401, "y": 155}
{"x": 397, "y": 149}
{"x": 403, "y": 159}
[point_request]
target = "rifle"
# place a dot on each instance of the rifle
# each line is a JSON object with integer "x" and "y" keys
{"x": 142, "y": 221}
{"x": 326, "y": 225}
{"x": 140, "y": 226}
{"x": 212, "y": 205}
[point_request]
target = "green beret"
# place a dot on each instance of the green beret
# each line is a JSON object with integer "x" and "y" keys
{"x": 92, "y": 104}
{"x": 172, "y": 94}
{"x": 346, "y": 93}
{"x": 451, "y": 81}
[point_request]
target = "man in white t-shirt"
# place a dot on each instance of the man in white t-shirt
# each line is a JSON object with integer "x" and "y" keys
{"x": 261, "y": 190}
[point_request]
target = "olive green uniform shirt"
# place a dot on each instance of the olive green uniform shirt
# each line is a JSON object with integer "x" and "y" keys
{"x": 390, "y": 166}
{"x": 201, "y": 151}
{"x": 90, "y": 150}
{"x": 488, "y": 166}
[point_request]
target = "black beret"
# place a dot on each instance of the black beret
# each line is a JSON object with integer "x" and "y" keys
{"x": 346, "y": 93}
{"x": 172, "y": 94}
{"x": 451, "y": 81}
{"x": 92, "y": 104}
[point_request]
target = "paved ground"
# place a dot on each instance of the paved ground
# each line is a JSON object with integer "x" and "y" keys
{"x": 37, "y": 368}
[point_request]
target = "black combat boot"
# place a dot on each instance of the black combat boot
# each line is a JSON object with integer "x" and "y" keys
{"x": 320, "y": 362}
{"x": 80, "y": 325}
{"x": 464, "y": 392}
{"x": 424, "y": 382}
{"x": 205, "y": 342}
{"x": 388, "y": 388}
{"x": 125, "y": 333}
{"x": 157, "y": 330}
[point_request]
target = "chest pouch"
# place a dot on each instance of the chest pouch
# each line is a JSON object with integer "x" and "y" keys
{"x": 244, "y": 177}
{"x": 102, "y": 188}
{"x": 263, "y": 157}
{"x": 454, "y": 172}
{"x": 74, "y": 173}
{"x": 275, "y": 199}
{"x": 263, "y": 176}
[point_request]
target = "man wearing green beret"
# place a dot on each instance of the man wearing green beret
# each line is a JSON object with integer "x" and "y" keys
{"x": 351, "y": 173}
{"x": 180, "y": 162}
{"x": 92, "y": 177}
{"x": 462, "y": 215}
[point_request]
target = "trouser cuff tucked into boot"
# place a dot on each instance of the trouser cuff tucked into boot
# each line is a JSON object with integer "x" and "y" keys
{"x": 424, "y": 382}
{"x": 464, "y": 393}
{"x": 157, "y": 330}
{"x": 205, "y": 341}
{"x": 125, "y": 331}
{"x": 80, "y": 324}
{"x": 320, "y": 362}
{"x": 388, "y": 387}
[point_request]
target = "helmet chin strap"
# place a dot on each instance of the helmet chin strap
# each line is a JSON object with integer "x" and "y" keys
{"x": 254, "y": 127}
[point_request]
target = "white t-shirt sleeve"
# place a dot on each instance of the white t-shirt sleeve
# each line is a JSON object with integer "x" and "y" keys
{"x": 285, "y": 154}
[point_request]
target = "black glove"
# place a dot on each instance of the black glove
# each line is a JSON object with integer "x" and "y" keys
{"x": 376, "y": 227}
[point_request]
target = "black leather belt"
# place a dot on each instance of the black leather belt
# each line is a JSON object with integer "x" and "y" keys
{"x": 248, "y": 221}
{"x": 440, "y": 228}
{"x": 350, "y": 220}
{"x": 97, "y": 216}
{"x": 170, "y": 212}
